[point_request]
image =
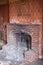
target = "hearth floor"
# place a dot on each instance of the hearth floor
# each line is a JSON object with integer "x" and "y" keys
{"x": 36, "y": 62}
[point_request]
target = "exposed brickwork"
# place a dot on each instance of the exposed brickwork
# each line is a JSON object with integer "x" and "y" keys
{"x": 32, "y": 30}
{"x": 29, "y": 12}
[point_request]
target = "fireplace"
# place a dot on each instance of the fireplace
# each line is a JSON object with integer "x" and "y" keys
{"x": 24, "y": 37}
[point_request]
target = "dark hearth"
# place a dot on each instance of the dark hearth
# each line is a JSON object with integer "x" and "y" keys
{"x": 25, "y": 37}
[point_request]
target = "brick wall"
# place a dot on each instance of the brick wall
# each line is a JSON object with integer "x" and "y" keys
{"x": 33, "y": 30}
{"x": 28, "y": 12}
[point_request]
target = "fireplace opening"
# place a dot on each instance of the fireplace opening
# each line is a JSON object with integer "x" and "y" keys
{"x": 24, "y": 42}
{"x": 26, "y": 38}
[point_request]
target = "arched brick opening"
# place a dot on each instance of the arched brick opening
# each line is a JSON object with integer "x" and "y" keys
{"x": 24, "y": 34}
{"x": 26, "y": 38}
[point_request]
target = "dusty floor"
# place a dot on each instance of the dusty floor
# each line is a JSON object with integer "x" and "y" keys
{"x": 36, "y": 62}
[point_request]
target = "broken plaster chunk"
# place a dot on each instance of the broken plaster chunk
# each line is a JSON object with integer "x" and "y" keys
{"x": 1, "y": 63}
{"x": 30, "y": 55}
{"x": 5, "y": 63}
{"x": 40, "y": 56}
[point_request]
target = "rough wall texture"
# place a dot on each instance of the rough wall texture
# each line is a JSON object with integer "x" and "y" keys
{"x": 3, "y": 13}
{"x": 29, "y": 11}
{"x": 42, "y": 22}
{"x": 3, "y": 20}
{"x": 32, "y": 30}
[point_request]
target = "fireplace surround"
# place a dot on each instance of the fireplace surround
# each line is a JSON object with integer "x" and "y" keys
{"x": 24, "y": 36}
